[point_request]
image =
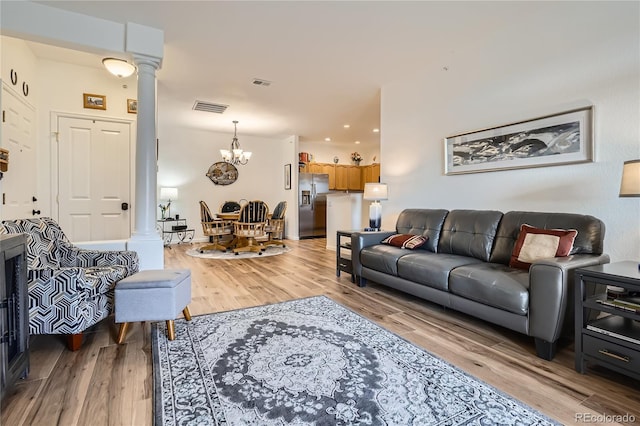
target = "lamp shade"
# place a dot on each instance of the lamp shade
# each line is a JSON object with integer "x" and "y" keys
{"x": 118, "y": 67}
{"x": 375, "y": 191}
{"x": 168, "y": 193}
{"x": 630, "y": 185}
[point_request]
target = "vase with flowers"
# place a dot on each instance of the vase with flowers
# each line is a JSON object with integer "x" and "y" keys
{"x": 163, "y": 209}
{"x": 356, "y": 158}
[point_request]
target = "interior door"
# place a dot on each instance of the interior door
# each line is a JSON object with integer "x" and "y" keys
{"x": 94, "y": 179}
{"x": 19, "y": 183}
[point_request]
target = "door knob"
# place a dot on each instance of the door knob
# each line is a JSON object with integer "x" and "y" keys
{"x": 125, "y": 206}
{"x": 35, "y": 212}
{"x": 34, "y": 199}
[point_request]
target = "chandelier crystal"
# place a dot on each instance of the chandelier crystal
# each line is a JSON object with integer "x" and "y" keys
{"x": 235, "y": 155}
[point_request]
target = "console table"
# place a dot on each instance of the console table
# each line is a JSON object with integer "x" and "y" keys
{"x": 171, "y": 227}
{"x": 608, "y": 330}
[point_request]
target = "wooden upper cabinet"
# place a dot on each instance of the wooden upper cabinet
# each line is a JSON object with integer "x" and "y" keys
{"x": 354, "y": 179}
{"x": 370, "y": 173}
{"x": 345, "y": 177}
{"x": 342, "y": 177}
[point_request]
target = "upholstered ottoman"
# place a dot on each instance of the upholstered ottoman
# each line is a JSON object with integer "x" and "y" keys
{"x": 153, "y": 295}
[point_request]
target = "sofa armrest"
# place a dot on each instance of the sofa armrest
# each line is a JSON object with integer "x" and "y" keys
{"x": 360, "y": 240}
{"x": 551, "y": 293}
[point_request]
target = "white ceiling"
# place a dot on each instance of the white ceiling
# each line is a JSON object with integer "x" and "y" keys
{"x": 327, "y": 60}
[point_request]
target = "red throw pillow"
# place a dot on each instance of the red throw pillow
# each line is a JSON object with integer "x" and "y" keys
{"x": 536, "y": 243}
{"x": 407, "y": 241}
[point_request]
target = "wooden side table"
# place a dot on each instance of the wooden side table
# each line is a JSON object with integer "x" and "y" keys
{"x": 612, "y": 337}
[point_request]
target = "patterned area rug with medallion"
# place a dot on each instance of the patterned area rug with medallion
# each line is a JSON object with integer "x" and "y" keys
{"x": 313, "y": 362}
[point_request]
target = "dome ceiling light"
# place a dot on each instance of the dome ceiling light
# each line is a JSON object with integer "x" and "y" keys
{"x": 118, "y": 67}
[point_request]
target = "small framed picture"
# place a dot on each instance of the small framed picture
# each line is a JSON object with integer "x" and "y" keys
{"x": 132, "y": 106}
{"x": 94, "y": 101}
{"x": 287, "y": 176}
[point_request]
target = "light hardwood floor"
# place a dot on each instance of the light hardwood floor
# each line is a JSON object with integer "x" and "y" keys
{"x": 108, "y": 384}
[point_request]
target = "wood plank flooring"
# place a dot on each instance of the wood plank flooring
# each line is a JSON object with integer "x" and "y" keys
{"x": 108, "y": 384}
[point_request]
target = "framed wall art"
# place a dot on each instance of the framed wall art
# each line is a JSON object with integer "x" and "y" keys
{"x": 94, "y": 101}
{"x": 287, "y": 176}
{"x": 557, "y": 139}
{"x": 132, "y": 106}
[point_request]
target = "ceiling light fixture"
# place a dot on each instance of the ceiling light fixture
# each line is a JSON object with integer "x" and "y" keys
{"x": 235, "y": 155}
{"x": 376, "y": 130}
{"x": 346, "y": 126}
{"x": 327, "y": 139}
{"x": 118, "y": 67}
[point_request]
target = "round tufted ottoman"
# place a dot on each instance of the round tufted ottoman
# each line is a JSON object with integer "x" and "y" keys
{"x": 153, "y": 295}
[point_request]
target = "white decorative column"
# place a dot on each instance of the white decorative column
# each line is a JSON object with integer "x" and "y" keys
{"x": 145, "y": 239}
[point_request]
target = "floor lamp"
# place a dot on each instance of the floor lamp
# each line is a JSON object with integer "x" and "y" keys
{"x": 375, "y": 192}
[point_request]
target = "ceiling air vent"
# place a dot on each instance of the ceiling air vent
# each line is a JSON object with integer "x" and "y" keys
{"x": 261, "y": 82}
{"x": 210, "y": 107}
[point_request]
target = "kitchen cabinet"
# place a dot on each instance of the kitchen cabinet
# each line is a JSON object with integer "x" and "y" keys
{"x": 344, "y": 177}
{"x": 370, "y": 173}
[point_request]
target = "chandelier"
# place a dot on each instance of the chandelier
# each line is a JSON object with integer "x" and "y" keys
{"x": 235, "y": 155}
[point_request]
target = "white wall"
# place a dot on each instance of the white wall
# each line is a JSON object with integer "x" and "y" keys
{"x": 323, "y": 152}
{"x": 185, "y": 155}
{"x": 62, "y": 86}
{"x": 569, "y": 54}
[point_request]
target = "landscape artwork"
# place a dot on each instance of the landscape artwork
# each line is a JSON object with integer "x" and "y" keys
{"x": 552, "y": 140}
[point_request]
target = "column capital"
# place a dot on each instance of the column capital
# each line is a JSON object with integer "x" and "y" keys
{"x": 152, "y": 61}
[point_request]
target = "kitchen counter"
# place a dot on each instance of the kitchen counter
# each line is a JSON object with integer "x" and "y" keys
{"x": 345, "y": 210}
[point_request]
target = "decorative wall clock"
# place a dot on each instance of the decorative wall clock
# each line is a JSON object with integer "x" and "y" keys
{"x": 222, "y": 173}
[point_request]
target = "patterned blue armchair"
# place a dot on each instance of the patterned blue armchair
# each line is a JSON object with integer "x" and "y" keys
{"x": 70, "y": 289}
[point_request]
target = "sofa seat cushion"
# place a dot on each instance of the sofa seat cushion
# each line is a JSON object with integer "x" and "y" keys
{"x": 431, "y": 269}
{"x": 492, "y": 284}
{"x": 382, "y": 258}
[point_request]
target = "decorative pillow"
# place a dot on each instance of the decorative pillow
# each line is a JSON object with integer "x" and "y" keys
{"x": 536, "y": 243}
{"x": 407, "y": 241}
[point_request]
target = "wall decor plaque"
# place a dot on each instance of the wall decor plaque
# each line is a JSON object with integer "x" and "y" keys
{"x": 557, "y": 139}
{"x": 222, "y": 173}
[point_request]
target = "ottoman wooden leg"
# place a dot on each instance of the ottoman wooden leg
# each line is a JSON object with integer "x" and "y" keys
{"x": 171, "y": 331}
{"x": 122, "y": 333}
{"x": 186, "y": 313}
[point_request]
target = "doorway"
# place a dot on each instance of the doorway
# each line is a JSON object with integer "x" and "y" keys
{"x": 94, "y": 178}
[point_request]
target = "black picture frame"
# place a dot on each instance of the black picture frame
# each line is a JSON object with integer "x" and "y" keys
{"x": 287, "y": 176}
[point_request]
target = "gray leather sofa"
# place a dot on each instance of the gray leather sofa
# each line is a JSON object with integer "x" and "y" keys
{"x": 464, "y": 265}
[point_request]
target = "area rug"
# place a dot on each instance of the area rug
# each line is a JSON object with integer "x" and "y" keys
{"x": 313, "y": 362}
{"x": 229, "y": 255}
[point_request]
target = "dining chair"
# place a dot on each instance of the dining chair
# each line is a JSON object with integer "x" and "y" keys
{"x": 251, "y": 225}
{"x": 214, "y": 228}
{"x": 230, "y": 207}
{"x": 275, "y": 226}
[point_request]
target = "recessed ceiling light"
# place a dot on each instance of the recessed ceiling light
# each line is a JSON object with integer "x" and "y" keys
{"x": 346, "y": 126}
{"x": 327, "y": 139}
{"x": 357, "y": 142}
{"x": 376, "y": 130}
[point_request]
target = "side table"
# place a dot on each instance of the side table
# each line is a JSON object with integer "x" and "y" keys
{"x": 178, "y": 227}
{"x": 343, "y": 253}
{"x": 607, "y": 330}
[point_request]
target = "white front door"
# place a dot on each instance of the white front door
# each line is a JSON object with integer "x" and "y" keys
{"x": 19, "y": 183}
{"x": 94, "y": 179}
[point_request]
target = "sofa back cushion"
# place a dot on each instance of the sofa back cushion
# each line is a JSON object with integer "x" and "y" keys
{"x": 588, "y": 241}
{"x": 425, "y": 222}
{"x": 469, "y": 233}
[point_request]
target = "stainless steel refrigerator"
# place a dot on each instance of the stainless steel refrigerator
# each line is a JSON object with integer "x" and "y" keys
{"x": 312, "y": 207}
